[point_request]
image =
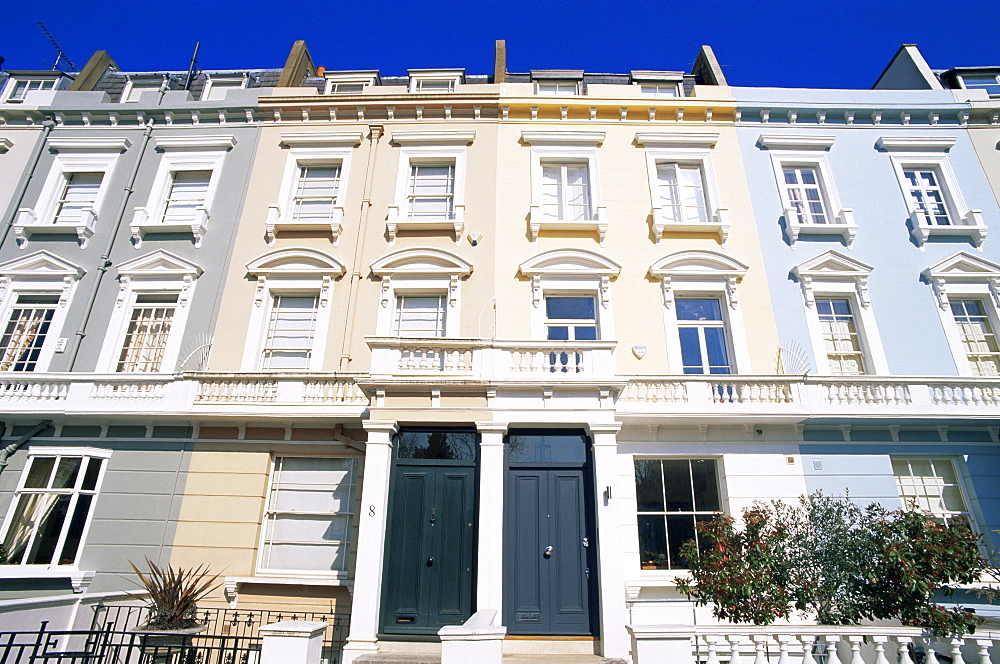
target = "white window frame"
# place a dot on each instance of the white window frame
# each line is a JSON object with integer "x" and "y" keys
{"x": 832, "y": 274}
{"x": 290, "y": 272}
{"x": 702, "y": 275}
{"x": 181, "y": 153}
{"x": 809, "y": 151}
{"x": 311, "y": 149}
{"x": 73, "y": 155}
{"x": 37, "y": 273}
{"x": 577, "y": 147}
{"x": 429, "y": 148}
{"x": 451, "y": 77}
{"x": 7, "y": 96}
{"x": 965, "y": 86}
{"x": 930, "y": 153}
{"x": 559, "y": 83}
{"x": 159, "y": 272}
{"x": 141, "y": 82}
{"x": 212, "y": 80}
{"x": 961, "y": 474}
{"x": 349, "y": 544}
{"x": 687, "y": 149}
{"x": 963, "y": 276}
{"x": 335, "y": 78}
{"x": 570, "y": 273}
{"x": 79, "y": 579}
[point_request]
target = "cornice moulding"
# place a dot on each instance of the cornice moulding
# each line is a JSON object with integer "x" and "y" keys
{"x": 677, "y": 139}
{"x": 796, "y": 141}
{"x": 436, "y": 137}
{"x": 322, "y": 138}
{"x": 562, "y": 137}
{"x": 916, "y": 143}
{"x": 206, "y": 142}
{"x": 92, "y": 144}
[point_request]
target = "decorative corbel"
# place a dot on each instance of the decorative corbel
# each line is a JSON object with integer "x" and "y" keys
{"x": 258, "y": 298}
{"x": 325, "y": 290}
{"x": 731, "y": 294}
{"x": 123, "y": 284}
{"x": 64, "y": 295}
{"x": 605, "y": 290}
{"x": 806, "y": 283}
{"x": 941, "y": 293}
{"x": 185, "y": 294}
{"x": 863, "y": 292}
{"x": 536, "y": 290}
{"x": 995, "y": 291}
{"x": 453, "y": 290}
{"x": 386, "y": 288}
{"x": 668, "y": 292}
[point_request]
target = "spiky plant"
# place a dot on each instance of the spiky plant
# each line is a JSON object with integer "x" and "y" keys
{"x": 174, "y": 593}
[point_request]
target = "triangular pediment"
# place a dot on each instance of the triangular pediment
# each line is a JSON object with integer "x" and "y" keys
{"x": 159, "y": 263}
{"x": 570, "y": 262}
{"x": 422, "y": 260}
{"x": 295, "y": 261}
{"x": 963, "y": 266}
{"x": 40, "y": 264}
{"x": 697, "y": 264}
{"x": 832, "y": 265}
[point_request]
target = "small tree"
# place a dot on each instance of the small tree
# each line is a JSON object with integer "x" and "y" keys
{"x": 830, "y": 557}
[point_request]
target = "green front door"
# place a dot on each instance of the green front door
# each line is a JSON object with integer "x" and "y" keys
{"x": 430, "y": 540}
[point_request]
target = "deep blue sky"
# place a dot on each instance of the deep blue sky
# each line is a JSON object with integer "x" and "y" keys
{"x": 805, "y": 43}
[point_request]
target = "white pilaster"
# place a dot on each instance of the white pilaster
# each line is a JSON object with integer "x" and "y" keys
{"x": 614, "y": 636}
{"x": 371, "y": 541}
{"x": 489, "y": 591}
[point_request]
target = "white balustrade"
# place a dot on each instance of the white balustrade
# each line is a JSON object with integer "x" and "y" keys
{"x": 870, "y": 392}
{"x": 237, "y": 390}
{"x": 41, "y": 390}
{"x": 343, "y": 390}
{"x": 129, "y": 389}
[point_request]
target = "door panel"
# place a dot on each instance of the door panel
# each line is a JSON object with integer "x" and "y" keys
{"x": 430, "y": 550}
{"x": 546, "y": 593}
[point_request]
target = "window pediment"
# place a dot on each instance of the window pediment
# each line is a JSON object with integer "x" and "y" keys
{"x": 195, "y": 142}
{"x": 421, "y": 262}
{"x": 90, "y": 144}
{"x": 698, "y": 267}
{"x": 962, "y": 268}
{"x": 295, "y": 262}
{"x": 916, "y": 143}
{"x": 159, "y": 263}
{"x": 591, "y": 138}
{"x": 833, "y": 267}
{"x": 40, "y": 264}
{"x": 568, "y": 263}
{"x": 795, "y": 141}
{"x": 321, "y": 138}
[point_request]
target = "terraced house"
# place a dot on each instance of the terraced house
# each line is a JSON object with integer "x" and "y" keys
{"x": 440, "y": 349}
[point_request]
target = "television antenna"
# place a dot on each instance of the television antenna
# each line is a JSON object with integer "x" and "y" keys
{"x": 60, "y": 54}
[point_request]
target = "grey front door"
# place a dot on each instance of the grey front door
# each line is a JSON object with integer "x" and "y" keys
{"x": 548, "y": 550}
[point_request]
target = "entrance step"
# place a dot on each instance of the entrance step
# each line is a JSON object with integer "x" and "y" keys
{"x": 550, "y": 645}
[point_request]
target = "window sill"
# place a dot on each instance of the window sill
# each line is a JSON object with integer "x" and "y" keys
{"x": 970, "y": 226}
{"x": 843, "y": 225}
{"x": 233, "y": 583}
{"x": 27, "y": 224}
{"x": 397, "y": 221}
{"x": 660, "y": 578}
{"x": 80, "y": 580}
{"x": 719, "y": 224}
{"x": 277, "y": 222}
{"x": 141, "y": 225}
{"x": 537, "y": 222}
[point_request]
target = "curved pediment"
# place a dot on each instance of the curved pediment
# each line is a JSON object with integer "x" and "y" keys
{"x": 697, "y": 264}
{"x": 295, "y": 262}
{"x": 422, "y": 260}
{"x": 40, "y": 264}
{"x": 570, "y": 262}
{"x": 159, "y": 263}
{"x": 832, "y": 265}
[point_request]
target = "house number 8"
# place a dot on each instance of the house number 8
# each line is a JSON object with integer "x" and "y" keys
{"x": 371, "y": 510}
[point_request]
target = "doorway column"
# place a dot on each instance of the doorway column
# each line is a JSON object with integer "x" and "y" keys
{"x": 489, "y": 574}
{"x": 372, "y": 523}
{"x": 615, "y": 641}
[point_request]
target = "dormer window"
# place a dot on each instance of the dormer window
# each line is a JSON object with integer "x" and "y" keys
{"x": 558, "y": 82}
{"x": 20, "y": 84}
{"x": 217, "y": 86}
{"x": 349, "y": 82}
{"x": 660, "y": 90}
{"x": 559, "y": 88}
{"x": 431, "y": 81}
{"x": 21, "y": 88}
{"x": 659, "y": 84}
{"x": 135, "y": 86}
{"x": 988, "y": 82}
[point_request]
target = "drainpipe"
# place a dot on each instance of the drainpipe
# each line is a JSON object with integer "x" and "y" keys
{"x": 359, "y": 237}
{"x": 6, "y": 452}
{"x": 104, "y": 263}
{"x": 47, "y": 125}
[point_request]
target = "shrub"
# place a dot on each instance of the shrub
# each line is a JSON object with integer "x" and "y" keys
{"x": 174, "y": 593}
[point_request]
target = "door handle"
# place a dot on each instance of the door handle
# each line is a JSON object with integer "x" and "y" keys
{"x": 548, "y": 552}
{"x": 430, "y": 561}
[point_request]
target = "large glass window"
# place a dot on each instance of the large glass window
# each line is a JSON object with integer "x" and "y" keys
{"x": 927, "y": 196}
{"x": 420, "y": 315}
{"x": 977, "y": 336}
{"x": 308, "y": 518}
{"x": 51, "y": 510}
{"x": 25, "y": 331}
{"x": 840, "y": 336}
{"x": 566, "y": 191}
{"x": 291, "y": 332}
{"x": 316, "y": 193}
{"x": 930, "y": 485}
{"x": 703, "y": 336}
{"x": 188, "y": 192}
{"x": 431, "y": 192}
{"x": 148, "y": 331}
{"x": 802, "y": 186}
{"x": 570, "y": 318}
{"x": 672, "y": 495}
{"x": 682, "y": 193}
{"x": 78, "y": 195}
